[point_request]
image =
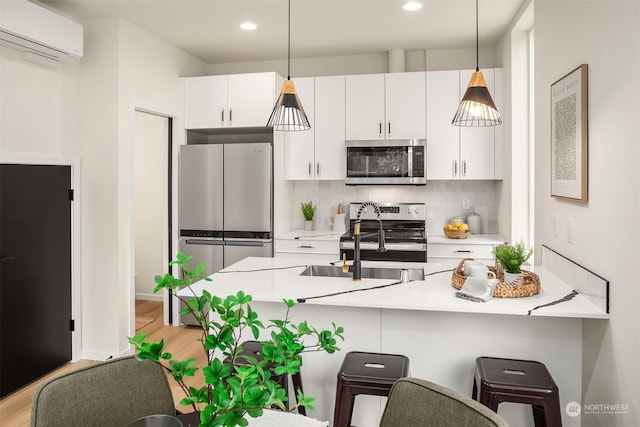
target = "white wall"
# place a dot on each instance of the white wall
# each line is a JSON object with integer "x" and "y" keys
{"x": 606, "y": 36}
{"x": 85, "y": 109}
{"x": 150, "y": 201}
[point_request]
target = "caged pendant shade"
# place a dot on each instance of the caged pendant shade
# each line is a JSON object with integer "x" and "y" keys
{"x": 288, "y": 114}
{"x": 476, "y": 107}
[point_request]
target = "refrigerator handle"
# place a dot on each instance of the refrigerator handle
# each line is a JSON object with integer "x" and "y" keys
{"x": 204, "y": 242}
{"x": 255, "y": 243}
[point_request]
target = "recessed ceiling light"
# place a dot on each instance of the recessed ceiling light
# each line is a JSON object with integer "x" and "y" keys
{"x": 412, "y": 5}
{"x": 248, "y": 26}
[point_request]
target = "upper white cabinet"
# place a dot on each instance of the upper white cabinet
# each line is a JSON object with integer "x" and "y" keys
{"x": 229, "y": 100}
{"x": 385, "y": 106}
{"x": 318, "y": 154}
{"x": 455, "y": 152}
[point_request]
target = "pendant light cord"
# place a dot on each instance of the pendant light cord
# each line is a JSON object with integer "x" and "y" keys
{"x": 477, "y": 43}
{"x": 289, "y": 43}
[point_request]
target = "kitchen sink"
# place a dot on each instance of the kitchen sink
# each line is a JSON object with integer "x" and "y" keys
{"x": 392, "y": 273}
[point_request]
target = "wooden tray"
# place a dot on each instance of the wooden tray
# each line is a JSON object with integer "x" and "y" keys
{"x": 525, "y": 285}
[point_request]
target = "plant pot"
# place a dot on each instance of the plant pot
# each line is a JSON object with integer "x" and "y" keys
{"x": 510, "y": 277}
{"x": 308, "y": 225}
{"x": 157, "y": 421}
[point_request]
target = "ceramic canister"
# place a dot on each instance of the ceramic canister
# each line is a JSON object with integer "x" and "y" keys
{"x": 474, "y": 222}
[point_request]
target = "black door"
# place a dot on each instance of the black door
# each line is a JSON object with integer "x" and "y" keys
{"x": 35, "y": 272}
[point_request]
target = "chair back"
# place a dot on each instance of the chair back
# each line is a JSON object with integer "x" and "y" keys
{"x": 417, "y": 402}
{"x": 110, "y": 394}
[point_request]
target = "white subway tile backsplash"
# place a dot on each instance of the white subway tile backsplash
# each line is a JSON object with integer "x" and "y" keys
{"x": 443, "y": 199}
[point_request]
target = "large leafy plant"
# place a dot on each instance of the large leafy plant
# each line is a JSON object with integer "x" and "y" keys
{"x": 511, "y": 257}
{"x": 235, "y": 385}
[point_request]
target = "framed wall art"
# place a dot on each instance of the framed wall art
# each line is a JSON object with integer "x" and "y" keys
{"x": 569, "y": 136}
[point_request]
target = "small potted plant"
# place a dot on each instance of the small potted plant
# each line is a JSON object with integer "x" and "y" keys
{"x": 234, "y": 386}
{"x": 308, "y": 211}
{"x": 511, "y": 258}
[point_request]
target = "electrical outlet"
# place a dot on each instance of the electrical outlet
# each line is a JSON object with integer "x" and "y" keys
{"x": 570, "y": 230}
{"x": 555, "y": 226}
{"x": 466, "y": 203}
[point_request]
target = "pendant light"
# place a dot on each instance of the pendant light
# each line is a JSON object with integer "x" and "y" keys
{"x": 477, "y": 108}
{"x": 288, "y": 114}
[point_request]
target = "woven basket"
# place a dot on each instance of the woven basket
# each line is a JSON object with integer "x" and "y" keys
{"x": 525, "y": 285}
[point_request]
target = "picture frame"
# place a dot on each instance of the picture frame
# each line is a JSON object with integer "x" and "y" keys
{"x": 569, "y": 136}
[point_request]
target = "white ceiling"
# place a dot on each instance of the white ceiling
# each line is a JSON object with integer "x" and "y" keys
{"x": 209, "y": 29}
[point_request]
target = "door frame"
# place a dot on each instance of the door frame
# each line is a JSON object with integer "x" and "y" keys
{"x": 167, "y": 252}
{"x": 76, "y": 300}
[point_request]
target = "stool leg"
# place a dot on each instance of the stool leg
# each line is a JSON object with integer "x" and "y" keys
{"x": 474, "y": 392}
{"x": 552, "y": 412}
{"x": 538, "y": 416}
{"x": 297, "y": 385}
{"x": 344, "y": 407}
{"x": 489, "y": 400}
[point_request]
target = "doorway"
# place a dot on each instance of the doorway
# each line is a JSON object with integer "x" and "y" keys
{"x": 152, "y": 154}
{"x": 36, "y": 318}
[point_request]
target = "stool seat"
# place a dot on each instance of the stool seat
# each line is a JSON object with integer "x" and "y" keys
{"x": 365, "y": 373}
{"x": 254, "y": 348}
{"x": 499, "y": 380}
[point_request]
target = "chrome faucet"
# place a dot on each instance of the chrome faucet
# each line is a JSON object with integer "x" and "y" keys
{"x": 356, "y": 267}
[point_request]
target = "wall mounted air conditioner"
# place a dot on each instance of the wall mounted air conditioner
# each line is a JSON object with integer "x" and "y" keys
{"x": 30, "y": 27}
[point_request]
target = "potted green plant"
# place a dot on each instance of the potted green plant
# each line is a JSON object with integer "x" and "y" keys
{"x": 232, "y": 391}
{"x": 308, "y": 211}
{"x": 511, "y": 258}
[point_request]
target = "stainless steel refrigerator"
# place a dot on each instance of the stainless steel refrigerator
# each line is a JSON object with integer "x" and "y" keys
{"x": 226, "y": 196}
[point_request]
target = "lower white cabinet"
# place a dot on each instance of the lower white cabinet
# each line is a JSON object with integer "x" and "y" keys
{"x": 322, "y": 251}
{"x": 453, "y": 251}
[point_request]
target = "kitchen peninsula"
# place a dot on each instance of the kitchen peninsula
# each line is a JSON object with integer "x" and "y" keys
{"x": 441, "y": 334}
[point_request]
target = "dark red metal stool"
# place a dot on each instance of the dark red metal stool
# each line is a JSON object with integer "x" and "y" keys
{"x": 365, "y": 373}
{"x": 253, "y": 348}
{"x": 518, "y": 381}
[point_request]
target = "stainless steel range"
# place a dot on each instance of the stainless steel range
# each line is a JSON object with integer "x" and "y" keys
{"x": 405, "y": 238}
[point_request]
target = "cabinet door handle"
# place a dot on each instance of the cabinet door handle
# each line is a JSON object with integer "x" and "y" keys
{"x": 462, "y": 251}
{"x": 389, "y": 126}
{"x": 306, "y": 247}
{"x": 464, "y": 167}
{"x": 222, "y": 116}
{"x": 309, "y": 168}
{"x": 455, "y": 168}
{"x": 230, "y": 116}
{"x": 317, "y": 168}
{"x": 380, "y": 128}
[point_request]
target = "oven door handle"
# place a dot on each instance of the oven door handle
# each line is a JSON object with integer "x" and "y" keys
{"x": 414, "y": 247}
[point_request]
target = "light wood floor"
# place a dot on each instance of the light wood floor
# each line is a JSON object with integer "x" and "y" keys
{"x": 15, "y": 409}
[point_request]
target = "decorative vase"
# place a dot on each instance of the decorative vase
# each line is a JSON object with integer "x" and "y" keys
{"x": 510, "y": 277}
{"x": 308, "y": 225}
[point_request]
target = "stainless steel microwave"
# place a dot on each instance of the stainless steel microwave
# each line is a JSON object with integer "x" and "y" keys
{"x": 386, "y": 162}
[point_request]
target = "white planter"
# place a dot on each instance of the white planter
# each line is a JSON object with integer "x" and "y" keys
{"x": 510, "y": 277}
{"x": 308, "y": 225}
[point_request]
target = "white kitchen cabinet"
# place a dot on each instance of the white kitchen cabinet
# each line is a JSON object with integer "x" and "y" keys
{"x": 385, "y": 106}
{"x": 235, "y": 100}
{"x": 453, "y": 252}
{"x": 457, "y": 152}
{"x": 318, "y": 154}
{"x": 321, "y": 251}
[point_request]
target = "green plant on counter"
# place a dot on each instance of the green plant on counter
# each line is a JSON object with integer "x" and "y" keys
{"x": 308, "y": 210}
{"x": 232, "y": 391}
{"x": 511, "y": 257}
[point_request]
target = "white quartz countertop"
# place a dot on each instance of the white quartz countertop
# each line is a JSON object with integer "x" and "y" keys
{"x": 274, "y": 279}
